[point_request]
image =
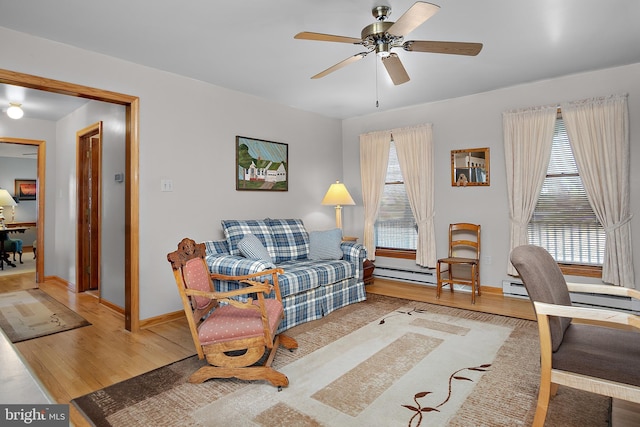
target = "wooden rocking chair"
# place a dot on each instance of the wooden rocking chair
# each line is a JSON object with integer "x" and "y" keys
{"x": 239, "y": 339}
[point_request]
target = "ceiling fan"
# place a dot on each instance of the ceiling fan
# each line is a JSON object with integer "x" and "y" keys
{"x": 383, "y": 35}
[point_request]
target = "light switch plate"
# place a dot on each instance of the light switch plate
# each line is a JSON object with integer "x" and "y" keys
{"x": 166, "y": 185}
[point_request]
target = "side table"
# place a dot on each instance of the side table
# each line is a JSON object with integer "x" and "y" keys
{"x": 368, "y": 267}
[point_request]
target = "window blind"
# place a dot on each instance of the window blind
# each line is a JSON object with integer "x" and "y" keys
{"x": 395, "y": 226}
{"x": 563, "y": 221}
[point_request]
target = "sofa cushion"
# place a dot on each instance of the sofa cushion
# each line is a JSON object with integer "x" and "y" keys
{"x": 299, "y": 276}
{"x": 303, "y": 275}
{"x": 216, "y": 247}
{"x": 325, "y": 244}
{"x": 251, "y": 247}
{"x": 290, "y": 238}
{"x": 235, "y": 230}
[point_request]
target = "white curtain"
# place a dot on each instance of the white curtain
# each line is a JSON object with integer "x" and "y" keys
{"x": 374, "y": 157}
{"x": 598, "y": 131}
{"x": 415, "y": 155}
{"x": 528, "y": 137}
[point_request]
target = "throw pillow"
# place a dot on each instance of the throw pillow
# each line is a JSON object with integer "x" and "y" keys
{"x": 251, "y": 247}
{"x": 290, "y": 238}
{"x": 325, "y": 244}
{"x": 235, "y": 230}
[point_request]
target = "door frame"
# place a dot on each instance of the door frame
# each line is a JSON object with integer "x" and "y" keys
{"x": 132, "y": 192}
{"x": 41, "y": 162}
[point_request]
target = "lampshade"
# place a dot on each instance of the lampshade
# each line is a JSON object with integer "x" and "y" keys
{"x": 338, "y": 195}
{"x": 6, "y": 199}
{"x": 15, "y": 111}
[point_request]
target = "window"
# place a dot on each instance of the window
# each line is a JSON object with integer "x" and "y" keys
{"x": 395, "y": 226}
{"x": 563, "y": 221}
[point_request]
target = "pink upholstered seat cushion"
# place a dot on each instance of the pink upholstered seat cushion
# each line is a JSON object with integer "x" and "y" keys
{"x": 196, "y": 276}
{"x": 228, "y": 323}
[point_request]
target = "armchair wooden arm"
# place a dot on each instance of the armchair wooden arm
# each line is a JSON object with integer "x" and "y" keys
{"x": 585, "y": 313}
{"x": 604, "y": 290}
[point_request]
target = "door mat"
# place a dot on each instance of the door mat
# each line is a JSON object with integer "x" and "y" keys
{"x": 31, "y": 313}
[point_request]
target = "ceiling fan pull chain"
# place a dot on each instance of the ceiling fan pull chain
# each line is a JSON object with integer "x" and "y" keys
{"x": 376, "y": 65}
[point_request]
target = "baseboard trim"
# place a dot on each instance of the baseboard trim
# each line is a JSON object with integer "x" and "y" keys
{"x": 163, "y": 318}
{"x": 112, "y": 306}
{"x": 61, "y": 282}
{"x": 491, "y": 290}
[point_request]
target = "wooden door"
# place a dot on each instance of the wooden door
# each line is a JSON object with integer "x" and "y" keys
{"x": 89, "y": 178}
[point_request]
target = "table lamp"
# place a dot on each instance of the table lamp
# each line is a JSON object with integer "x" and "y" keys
{"x": 5, "y": 200}
{"x": 338, "y": 195}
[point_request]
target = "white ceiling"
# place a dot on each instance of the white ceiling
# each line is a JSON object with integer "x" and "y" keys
{"x": 38, "y": 104}
{"x": 248, "y": 45}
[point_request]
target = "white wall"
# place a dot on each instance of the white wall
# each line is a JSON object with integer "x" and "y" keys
{"x": 476, "y": 121}
{"x": 46, "y": 131}
{"x": 187, "y": 134}
{"x": 113, "y": 197}
{"x": 12, "y": 168}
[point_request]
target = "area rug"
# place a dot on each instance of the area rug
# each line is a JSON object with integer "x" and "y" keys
{"x": 28, "y": 265}
{"x": 382, "y": 362}
{"x": 31, "y": 313}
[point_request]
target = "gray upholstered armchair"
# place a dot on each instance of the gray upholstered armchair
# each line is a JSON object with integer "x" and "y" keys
{"x": 599, "y": 352}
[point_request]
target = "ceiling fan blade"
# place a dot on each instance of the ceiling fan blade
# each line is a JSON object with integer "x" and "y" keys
{"x": 415, "y": 16}
{"x": 341, "y": 64}
{"x": 454, "y": 48}
{"x": 306, "y": 35}
{"x": 395, "y": 69}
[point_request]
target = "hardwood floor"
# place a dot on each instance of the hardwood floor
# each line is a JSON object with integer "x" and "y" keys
{"x": 83, "y": 360}
{"x": 491, "y": 301}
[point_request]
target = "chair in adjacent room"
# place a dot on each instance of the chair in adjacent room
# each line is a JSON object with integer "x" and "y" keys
{"x": 13, "y": 245}
{"x": 463, "y": 262}
{"x": 237, "y": 330}
{"x": 599, "y": 352}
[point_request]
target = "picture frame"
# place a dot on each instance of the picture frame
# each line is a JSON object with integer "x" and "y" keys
{"x": 470, "y": 167}
{"x": 261, "y": 165}
{"x": 26, "y": 189}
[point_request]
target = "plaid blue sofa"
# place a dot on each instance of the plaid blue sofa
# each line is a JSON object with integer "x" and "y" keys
{"x": 310, "y": 289}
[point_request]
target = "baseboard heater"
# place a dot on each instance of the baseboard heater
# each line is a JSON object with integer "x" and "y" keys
{"x": 425, "y": 277}
{"x": 515, "y": 288}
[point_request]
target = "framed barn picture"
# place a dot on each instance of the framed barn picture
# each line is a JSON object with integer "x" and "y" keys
{"x": 261, "y": 165}
{"x": 25, "y": 189}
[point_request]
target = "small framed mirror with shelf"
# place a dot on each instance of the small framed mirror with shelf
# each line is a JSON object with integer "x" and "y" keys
{"x": 470, "y": 167}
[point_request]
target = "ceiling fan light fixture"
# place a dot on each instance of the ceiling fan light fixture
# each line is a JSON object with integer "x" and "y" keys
{"x": 382, "y": 50}
{"x": 15, "y": 111}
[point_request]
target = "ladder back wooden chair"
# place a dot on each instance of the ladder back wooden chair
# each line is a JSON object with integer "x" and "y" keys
{"x": 237, "y": 338}
{"x": 601, "y": 354}
{"x": 464, "y": 239}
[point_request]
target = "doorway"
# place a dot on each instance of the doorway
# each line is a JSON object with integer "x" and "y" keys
{"x": 40, "y": 187}
{"x": 89, "y": 224}
{"x": 132, "y": 112}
